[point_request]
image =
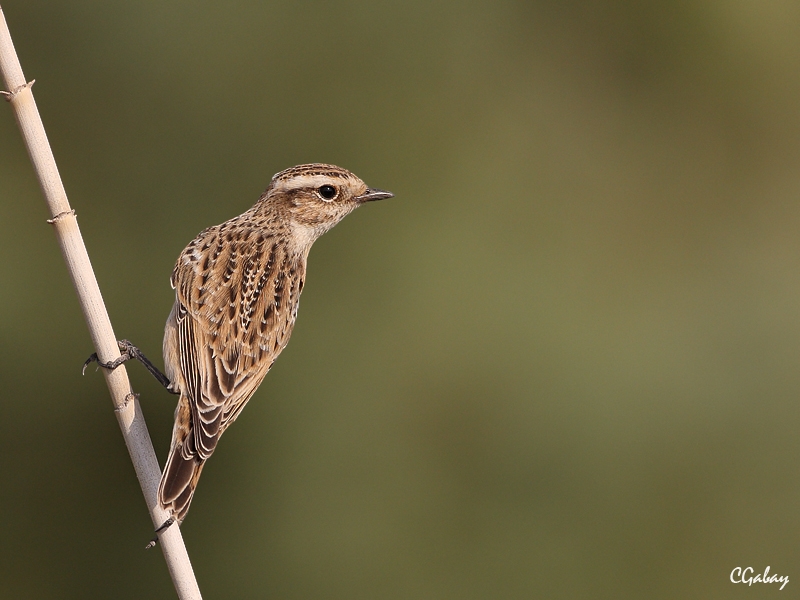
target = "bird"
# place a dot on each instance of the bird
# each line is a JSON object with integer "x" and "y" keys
{"x": 237, "y": 290}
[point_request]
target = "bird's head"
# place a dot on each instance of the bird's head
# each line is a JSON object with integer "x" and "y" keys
{"x": 316, "y": 196}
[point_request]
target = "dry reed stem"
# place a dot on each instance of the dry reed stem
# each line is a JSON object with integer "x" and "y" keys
{"x": 65, "y": 224}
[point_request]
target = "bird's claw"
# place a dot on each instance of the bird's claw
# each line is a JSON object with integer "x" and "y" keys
{"x": 90, "y": 360}
{"x": 163, "y": 526}
{"x": 129, "y": 351}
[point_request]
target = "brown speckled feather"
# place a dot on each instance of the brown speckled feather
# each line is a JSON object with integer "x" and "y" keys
{"x": 237, "y": 289}
{"x": 234, "y": 325}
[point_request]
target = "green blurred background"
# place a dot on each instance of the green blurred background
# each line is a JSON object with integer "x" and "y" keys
{"x": 561, "y": 363}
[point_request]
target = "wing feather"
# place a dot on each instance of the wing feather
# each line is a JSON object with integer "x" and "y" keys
{"x": 236, "y": 299}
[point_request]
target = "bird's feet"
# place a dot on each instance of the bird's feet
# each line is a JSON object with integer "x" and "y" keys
{"x": 128, "y": 352}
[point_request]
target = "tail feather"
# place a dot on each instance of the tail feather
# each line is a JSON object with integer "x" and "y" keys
{"x": 179, "y": 482}
{"x": 183, "y": 468}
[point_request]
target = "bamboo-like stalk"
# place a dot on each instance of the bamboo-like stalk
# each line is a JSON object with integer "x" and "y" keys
{"x": 65, "y": 224}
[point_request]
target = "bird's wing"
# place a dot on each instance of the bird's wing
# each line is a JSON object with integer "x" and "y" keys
{"x": 236, "y": 294}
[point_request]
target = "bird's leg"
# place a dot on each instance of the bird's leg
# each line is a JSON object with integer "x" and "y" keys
{"x": 129, "y": 351}
{"x": 163, "y": 526}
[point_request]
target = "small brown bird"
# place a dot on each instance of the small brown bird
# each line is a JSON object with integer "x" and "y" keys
{"x": 237, "y": 288}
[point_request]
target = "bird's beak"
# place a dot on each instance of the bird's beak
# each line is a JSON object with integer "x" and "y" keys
{"x": 374, "y": 194}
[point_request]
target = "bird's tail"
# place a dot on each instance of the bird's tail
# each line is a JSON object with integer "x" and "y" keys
{"x": 183, "y": 467}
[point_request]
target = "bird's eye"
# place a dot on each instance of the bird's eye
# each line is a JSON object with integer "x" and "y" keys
{"x": 327, "y": 192}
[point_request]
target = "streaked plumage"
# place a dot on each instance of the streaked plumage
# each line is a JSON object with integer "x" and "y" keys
{"x": 237, "y": 288}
